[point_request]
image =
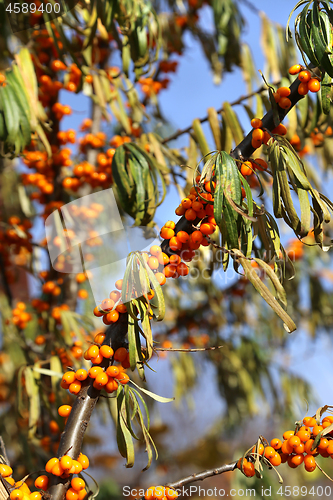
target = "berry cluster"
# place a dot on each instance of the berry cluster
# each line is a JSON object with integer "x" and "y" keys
{"x": 104, "y": 378}
{"x": 299, "y": 446}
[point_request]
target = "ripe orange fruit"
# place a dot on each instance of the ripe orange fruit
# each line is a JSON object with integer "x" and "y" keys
{"x": 182, "y": 269}
{"x": 295, "y": 69}
{"x": 304, "y": 76}
{"x": 284, "y": 91}
{"x": 77, "y": 483}
{"x": 276, "y": 443}
{"x": 106, "y": 351}
{"x": 256, "y": 123}
{"x": 314, "y": 85}
{"x": 41, "y": 482}
{"x": 284, "y": 103}
{"x": 190, "y": 214}
{"x": 309, "y": 463}
{"x": 167, "y": 233}
{"x": 303, "y": 88}
{"x": 64, "y": 410}
{"x": 275, "y": 460}
{"x": 175, "y": 243}
{"x": 183, "y": 236}
{"x": 120, "y": 354}
{"x": 246, "y": 168}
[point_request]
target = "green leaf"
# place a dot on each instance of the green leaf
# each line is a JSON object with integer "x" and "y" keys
{"x": 200, "y": 137}
{"x": 233, "y": 123}
{"x": 252, "y": 276}
{"x": 160, "y": 399}
{"x": 326, "y": 94}
{"x": 213, "y": 120}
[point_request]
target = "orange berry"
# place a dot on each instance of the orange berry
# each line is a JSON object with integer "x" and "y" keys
{"x": 41, "y": 482}
{"x": 275, "y": 460}
{"x": 171, "y": 494}
{"x": 75, "y": 387}
{"x": 276, "y": 443}
{"x": 101, "y": 379}
{"x": 258, "y": 134}
{"x": 150, "y": 493}
{"x": 288, "y": 434}
{"x": 170, "y": 271}
{"x": 120, "y": 354}
{"x": 111, "y": 386}
{"x": 296, "y": 460}
{"x": 69, "y": 377}
{"x": 256, "y": 123}
{"x": 246, "y": 168}
{"x": 111, "y": 317}
{"x": 190, "y": 214}
{"x": 77, "y": 484}
{"x": 155, "y": 250}
{"x": 107, "y": 304}
{"x": 314, "y": 85}
{"x": 64, "y": 410}
{"x": 286, "y": 448}
{"x": 153, "y": 261}
{"x": 186, "y": 203}
{"x": 106, "y": 351}
{"x": 72, "y": 494}
{"x": 294, "y": 441}
{"x": 81, "y": 374}
{"x": 66, "y": 462}
{"x": 83, "y": 460}
{"x": 175, "y": 244}
{"x": 183, "y": 236}
{"x": 18, "y": 494}
{"x": 284, "y": 91}
{"x": 57, "y": 470}
{"x": 182, "y": 269}
{"x": 309, "y": 463}
{"x": 206, "y": 228}
{"x": 295, "y": 69}
{"x": 308, "y": 446}
{"x": 304, "y": 76}
{"x": 269, "y": 452}
{"x": 280, "y": 129}
{"x": 123, "y": 378}
{"x": 276, "y": 96}
{"x": 94, "y": 371}
{"x": 316, "y": 429}
{"x": 112, "y": 371}
{"x": 303, "y": 88}
{"x": 249, "y": 470}
{"x": 259, "y": 164}
{"x": 284, "y": 103}
{"x": 309, "y": 421}
{"x": 160, "y": 278}
{"x": 166, "y": 233}
{"x": 119, "y": 284}
{"x": 51, "y": 463}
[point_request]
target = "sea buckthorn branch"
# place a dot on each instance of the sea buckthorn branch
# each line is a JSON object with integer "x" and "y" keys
{"x": 188, "y": 350}
{"x": 187, "y": 130}
{"x": 245, "y": 148}
{"x": 200, "y": 476}
{"x": 80, "y": 414}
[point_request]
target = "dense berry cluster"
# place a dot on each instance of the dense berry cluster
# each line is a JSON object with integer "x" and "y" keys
{"x": 298, "y": 446}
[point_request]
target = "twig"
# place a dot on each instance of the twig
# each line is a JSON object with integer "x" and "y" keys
{"x": 188, "y": 350}
{"x": 200, "y": 476}
{"x": 187, "y": 130}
